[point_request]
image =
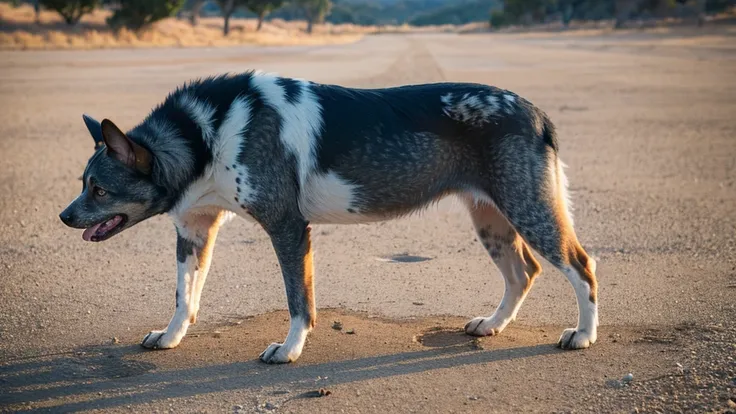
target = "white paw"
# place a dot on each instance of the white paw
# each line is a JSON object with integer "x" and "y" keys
{"x": 277, "y": 354}
{"x": 573, "y": 338}
{"x": 159, "y": 340}
{"x": 484, "y": 327}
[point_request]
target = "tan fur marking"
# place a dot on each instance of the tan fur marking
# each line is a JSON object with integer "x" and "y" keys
{"x": 309, "y": 279}
{"x": 205, "y": 258}
{"x": 580, "y": 260}
{"x": 573, "y": 252}
{"x": 532, "y": 266}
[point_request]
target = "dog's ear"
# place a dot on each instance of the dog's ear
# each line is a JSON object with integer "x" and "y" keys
{"x": 122, "y": 148}
{"x": 95, "y": 129}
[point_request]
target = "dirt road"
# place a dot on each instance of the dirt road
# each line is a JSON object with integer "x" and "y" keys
{"x": 647, "y": 127}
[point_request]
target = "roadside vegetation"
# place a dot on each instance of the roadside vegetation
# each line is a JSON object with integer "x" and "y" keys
{"x": 59, "y": 24}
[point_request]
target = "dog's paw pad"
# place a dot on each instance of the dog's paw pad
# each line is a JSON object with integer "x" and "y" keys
{"x": 158, "y": 340}
{"x": 275, "y": 354}
{"x": 482, "y": 327}
{"x": 575, "y": 339}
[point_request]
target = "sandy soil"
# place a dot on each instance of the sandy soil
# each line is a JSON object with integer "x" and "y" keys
{"x": 649, "y": 134}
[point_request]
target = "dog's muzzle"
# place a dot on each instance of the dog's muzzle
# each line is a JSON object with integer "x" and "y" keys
{"x": 67, "y": 217}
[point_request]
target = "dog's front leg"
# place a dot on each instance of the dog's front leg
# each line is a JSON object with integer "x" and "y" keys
{"x": 294, "y": 250}
{"x": 194, "y": 244}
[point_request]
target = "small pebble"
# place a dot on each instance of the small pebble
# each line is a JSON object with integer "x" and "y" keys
{"x": 337, "y": 325}
{"x": 217, "y": 334}
{"x": 628, "y": 377}
{"x": 732, "y": 403}
{"x": 350, "y": 331}
{"x": 237, "y": 407}
{"x": 115, "y": 340}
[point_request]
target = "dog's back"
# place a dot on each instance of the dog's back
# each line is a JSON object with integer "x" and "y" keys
{"x": 403, "y": 147}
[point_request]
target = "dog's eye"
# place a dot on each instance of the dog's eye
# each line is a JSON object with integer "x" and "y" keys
{"x": 100, "y": 192}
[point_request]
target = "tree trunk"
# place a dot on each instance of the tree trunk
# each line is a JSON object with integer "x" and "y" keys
{"x": 37, "y": 10}
{"x": 567, "y": 13}
{"x": 72, "y": 19}
{"x": 261, "y": 16}
{"x": 196, "y": 9}
{"x": 700, "y": 4}
{"x": 226, "y": 27}
{"x": 227, "y": 11}
{"x": 623, "y": 11}
{"x": 310, "y": 24}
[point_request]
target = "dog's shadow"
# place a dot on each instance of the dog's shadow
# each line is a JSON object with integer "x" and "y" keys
{"x": 109, "y": 376}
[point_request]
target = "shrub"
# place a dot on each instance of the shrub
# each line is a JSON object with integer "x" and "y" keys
{"x": 71, "y": 10}
{"x": 137, "y": 14}
{"x": 499, "y": 19}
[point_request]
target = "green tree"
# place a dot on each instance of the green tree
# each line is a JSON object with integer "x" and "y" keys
{"x": 262, "y": 8}
{"x": 525, "y": 11}
{"x": 138, "y": 14}
{"x": 71, "y": 10}
{"x": 315, "y": 11}
{"x": 499, "y": 19}
{"x": 623, "y": 10}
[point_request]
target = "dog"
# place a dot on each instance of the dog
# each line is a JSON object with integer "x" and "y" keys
{"x": 288, "y": 152}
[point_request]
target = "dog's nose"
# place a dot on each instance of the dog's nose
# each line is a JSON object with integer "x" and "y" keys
{"x": 66, "y": 217}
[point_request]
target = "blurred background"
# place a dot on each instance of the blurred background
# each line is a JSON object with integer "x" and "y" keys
{"x": 35, "y": 24}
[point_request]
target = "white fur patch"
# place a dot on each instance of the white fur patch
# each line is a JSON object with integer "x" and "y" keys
{"x": 447, "y": 101}
{"x": 218, "y": 187}
{"x": 588, "y": 311}
{"x": 292, "y": 347}
{"x": 179, "y": 323}
{"x": 471, "y": 109}
{"x": 230, "y": 142}
{"x": 562, "y": 188}
{"x": 326, "y": 198}
{"x": 493, "y": 103}
{"x": 302, "y": 121}
{"x": 294, "y": 343}
{"x": 510, "y": 101}
{"x": 475, "y": 198}
{"x": 199, "y": 195}
{"x": 201, "y": 113}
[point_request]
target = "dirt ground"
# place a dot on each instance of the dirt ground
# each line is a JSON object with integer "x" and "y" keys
{"x": 647, "y": 127}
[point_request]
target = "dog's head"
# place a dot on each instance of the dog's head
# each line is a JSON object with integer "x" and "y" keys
{"x": 117, "y": 187}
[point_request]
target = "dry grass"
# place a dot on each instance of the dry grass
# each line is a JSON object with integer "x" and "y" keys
{"x": 19, "y": 31}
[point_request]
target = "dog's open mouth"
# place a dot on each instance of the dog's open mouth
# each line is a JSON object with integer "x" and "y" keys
{"x": 105, "y": 230}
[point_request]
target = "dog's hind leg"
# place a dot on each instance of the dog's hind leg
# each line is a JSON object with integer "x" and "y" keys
{"x": 292, "y": 243}
{"x": 512, "y": 257}
{"x": 195, "y": 241}
{"x": 532, "y": 195}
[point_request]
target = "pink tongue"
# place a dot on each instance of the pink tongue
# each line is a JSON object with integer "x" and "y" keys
{"x": 87, "y": 235}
